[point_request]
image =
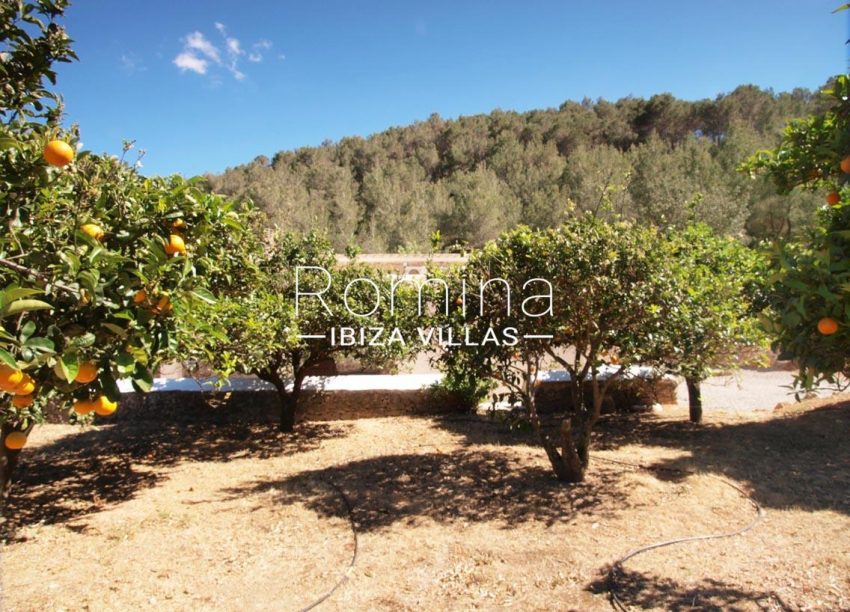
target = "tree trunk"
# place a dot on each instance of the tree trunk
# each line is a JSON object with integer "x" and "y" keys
{"x": 575, "y": 466}
{"x": 694, "y": 399}
{"x": 286, "y": 400}
{"x": 8, "y": 462}
{"x": 287, "y": 412}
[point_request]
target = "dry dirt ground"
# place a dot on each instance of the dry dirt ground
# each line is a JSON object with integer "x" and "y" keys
{"x": 450, "y": 513}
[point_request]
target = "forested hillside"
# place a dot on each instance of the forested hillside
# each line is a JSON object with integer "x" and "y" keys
{"x": 662, "y": 161}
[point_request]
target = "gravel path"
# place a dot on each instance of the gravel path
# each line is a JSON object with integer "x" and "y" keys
{"x": 746, "y": 390}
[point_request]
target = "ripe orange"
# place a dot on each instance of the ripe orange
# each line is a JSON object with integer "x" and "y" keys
{"x": 93, "y": 230}
{"x": 15, "y": 440}
{"x": 9, "y": 378}
{"x": 83, "y": 406}
{"x": 163, "y": 305}
{"x": 87, "y": 373}
{"x": 175, "y": 244}
{"x": 22, "y": 401}
{"x": 141, "y": 296}
{"x": 832, "y": 198}
{"x": 827, "y": 326}
{"x": 845, "y": 165}
{"x": 58, "y": 153}
{"x": 25, "y": 387}
{"x": 104, "y": 406}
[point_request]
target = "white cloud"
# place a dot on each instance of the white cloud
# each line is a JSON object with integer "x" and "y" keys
{"x": 200, "y": 55}
{"x": 186, "y": 61}
{"x": 257, "y": 50}
{"x": 131, "y": 63}
{"x": 197, "y": 42}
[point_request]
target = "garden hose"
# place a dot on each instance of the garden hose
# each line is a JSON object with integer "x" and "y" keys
{"x": 617, "y": 566}
{"x": 615, "y": 569}
{"x": 347, "y": 573}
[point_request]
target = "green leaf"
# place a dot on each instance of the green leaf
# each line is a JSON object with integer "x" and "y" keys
{"x": 110, "y": 387}
{"x": 7, "y": 358}
{"x": 27, "y": 331}
{"x": 7, "y": 142}
{"x": 115, "y": 329}
{"x": 70, "y": 365}
{"x": 20, "y": 306}
{"x": 125, "y": 363}
{"x": 142, "y": 379}
{"x": 204, "y": 295}
{"x": 40, "y": 344}
{"x": 85, "y": 340}
{"x": 16, "y": 293}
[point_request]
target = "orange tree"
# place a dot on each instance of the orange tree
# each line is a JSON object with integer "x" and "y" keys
{"x": 262, "y": 333}
{"x": 810, "y": 279}
{"x": 611, "y": 293}
{"x": 713, "y": 323}
{"x": 100, "y": 268}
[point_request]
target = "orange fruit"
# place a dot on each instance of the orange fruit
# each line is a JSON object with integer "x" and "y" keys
{"x": 104, "y": 406}
{"x": 83, "y": 406}
{"x": 10, "y": 378}
{"x": 163, "y": 305}
{"x": 832, "y": 198}
{"x": 141, "y": 296}
{"x": 93, "y": 230}
{"x": 25, "y": 387}
{"x": 178, "y": 224}
{"x": 87, "y": 373}
{"x": 175, "y": 244}
{"x": 22, "y": 401}
{"x": 845, "y": 165}
{"x": 15, "y": 440}
{"x": 827, "y": 326}
{"x": 58, "y": 153}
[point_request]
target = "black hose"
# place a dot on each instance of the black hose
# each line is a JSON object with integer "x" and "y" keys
{"x": 617, "y": 566}
{"x": 347, "y": 573}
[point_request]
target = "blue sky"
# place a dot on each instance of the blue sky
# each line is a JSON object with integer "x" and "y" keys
{"x": 203, "y": 85}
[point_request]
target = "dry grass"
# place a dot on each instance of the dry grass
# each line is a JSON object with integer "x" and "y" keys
{"x": 452, "y": 513}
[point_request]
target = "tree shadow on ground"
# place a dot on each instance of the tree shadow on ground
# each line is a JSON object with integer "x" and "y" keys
{"x": 800, "y": 459}
{"x": 82, "y": 473}
{"x": 641, "y": 590}
{"x": 479, "y": 486}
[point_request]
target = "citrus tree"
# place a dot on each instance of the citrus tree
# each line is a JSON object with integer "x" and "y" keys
{"x": 713, "y": 321}
{"x": 809, "y": 313}
{"x": 267, "y": 331}
{"x": 610, "y": 295}
{"x": 100, "y": 267}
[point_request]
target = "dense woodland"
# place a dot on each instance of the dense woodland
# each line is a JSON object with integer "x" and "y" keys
{"x": 661, "y": 161}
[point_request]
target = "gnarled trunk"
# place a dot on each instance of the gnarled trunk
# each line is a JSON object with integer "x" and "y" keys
{"x": 694, "y": 399}
{"x": 566, "y": 463}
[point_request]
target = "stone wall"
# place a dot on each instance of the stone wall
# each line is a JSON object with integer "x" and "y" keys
{"x": 353, "y": 404}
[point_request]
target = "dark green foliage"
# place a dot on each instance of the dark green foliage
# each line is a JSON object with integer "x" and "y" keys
{"x": 810, "y": 277}
{"x": 662, "y": 161}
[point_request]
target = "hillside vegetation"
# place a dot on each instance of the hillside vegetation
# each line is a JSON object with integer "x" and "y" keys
{"x": 661, "y": 161}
